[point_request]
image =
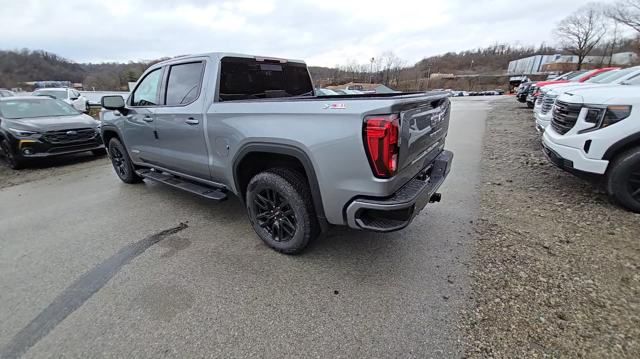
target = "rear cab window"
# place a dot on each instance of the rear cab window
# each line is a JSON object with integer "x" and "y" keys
{"x": 252, "y": 79}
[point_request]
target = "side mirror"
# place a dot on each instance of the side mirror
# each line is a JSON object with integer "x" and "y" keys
{"x": 73, "y": 98}
{"x": 112, "y": 102}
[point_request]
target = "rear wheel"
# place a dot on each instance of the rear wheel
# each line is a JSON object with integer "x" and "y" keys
{"x": 122, "y": 163}
{"x": 281, "y": 210}
{"x": 9, "y": 157}
{"x": 623, "y": 179}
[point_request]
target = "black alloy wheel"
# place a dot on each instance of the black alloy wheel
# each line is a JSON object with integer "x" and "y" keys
{"x": 281, "y": 211}
{"x": 122, "y": 163}
{"x": 8, "y": 156}
{"x": 275, "y": 215}
{"x": 119, "y": 163}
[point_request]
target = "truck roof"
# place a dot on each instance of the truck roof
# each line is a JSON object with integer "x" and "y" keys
{"x": 219, "y": 55}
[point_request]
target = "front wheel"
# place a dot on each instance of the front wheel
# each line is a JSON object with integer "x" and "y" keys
{"x": 281, "y": 210}
{"x": 122, "y": 163}
{"x": 11, "y": 159}
{"x": 623, "y": 179}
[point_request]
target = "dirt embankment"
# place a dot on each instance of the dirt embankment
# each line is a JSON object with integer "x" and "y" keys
{"x": 557, "y": 267}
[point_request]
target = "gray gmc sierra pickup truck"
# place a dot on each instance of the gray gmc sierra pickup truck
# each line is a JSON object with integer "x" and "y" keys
{"x": 220, "y": 123}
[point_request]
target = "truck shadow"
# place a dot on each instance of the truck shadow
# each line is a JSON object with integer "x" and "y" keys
{"x": 62, "y": 161}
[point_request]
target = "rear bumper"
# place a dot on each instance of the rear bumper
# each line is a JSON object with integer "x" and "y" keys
{"x": 398, "y": 210}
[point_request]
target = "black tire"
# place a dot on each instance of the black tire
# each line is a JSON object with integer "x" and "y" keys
{"x": 122, "y": 163}
{"x": 99, "y": 152}
{"x": 11, "y": 159}
{"x": 623, "y": 179}
{"x": 286, "y": 220}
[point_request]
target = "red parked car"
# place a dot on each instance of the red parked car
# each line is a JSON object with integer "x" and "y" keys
{"x": 582, "y": 77}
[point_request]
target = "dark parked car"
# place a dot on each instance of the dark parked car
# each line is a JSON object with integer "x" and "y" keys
{"x": 523, "y": 91}
{"x": 37, "y": 126}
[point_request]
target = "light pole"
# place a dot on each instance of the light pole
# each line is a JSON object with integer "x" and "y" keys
{"x": 371, "y": 72}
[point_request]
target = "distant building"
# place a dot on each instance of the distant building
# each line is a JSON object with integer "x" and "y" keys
{"x": 624, "y": 58}
{"x": 529, "y": 65}
{"x": 562, "y": 63}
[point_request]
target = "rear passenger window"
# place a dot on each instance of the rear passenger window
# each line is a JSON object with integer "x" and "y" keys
{"x": 183, "y": 85}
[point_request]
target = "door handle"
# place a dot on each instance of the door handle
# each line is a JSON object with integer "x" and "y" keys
{"x": 191, "y": 121}
{"x": 147, "y": 119}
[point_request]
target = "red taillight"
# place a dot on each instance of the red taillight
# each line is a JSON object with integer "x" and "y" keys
{"x": 381, "y": 142}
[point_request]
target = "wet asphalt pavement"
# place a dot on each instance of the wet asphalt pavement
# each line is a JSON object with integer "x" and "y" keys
{"x": 92, "y": 267}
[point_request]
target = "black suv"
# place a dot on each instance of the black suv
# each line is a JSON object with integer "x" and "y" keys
{"x": 36, "y": 127}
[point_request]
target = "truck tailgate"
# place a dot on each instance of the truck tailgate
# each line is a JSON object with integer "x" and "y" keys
{"x": 424, "y": 123}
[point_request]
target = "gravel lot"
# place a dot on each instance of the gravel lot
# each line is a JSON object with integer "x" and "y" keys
{"x": 92, "y": 267}
{"x": 556, "y": 265}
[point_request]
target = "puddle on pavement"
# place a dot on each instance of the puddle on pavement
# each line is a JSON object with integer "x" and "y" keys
{"x": 163, "y": 302}
{"x": 174, "y": 244}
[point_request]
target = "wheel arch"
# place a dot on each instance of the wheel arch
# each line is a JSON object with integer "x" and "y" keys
{"x": 621, "y": 146}
{"x": 109, "y": 132}
{"x": 276, "y": 153}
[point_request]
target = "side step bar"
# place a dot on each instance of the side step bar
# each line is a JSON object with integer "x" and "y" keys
{"x": 177, "y": 182}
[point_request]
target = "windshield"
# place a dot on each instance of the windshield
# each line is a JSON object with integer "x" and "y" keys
{"x": 581, "y": 75}
{"x": 615, "y": 76}
{"x": 633, "y": 81}
{"x": 34, "y": 108}
{"x": 602, "y": 78}
{"x": 59, "y": 94}
{"x": 247, "y": 79}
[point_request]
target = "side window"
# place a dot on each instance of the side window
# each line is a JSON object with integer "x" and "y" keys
{"x": 146, "y": 94}
{"x": 183, "y": 84}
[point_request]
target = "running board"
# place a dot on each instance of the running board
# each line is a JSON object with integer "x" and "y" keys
{"x": 177, "y": 182}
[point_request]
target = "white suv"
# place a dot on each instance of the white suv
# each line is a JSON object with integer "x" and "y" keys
{"x": 597, "y": 131}
{"x": 550, "y": 93}
{"x": 70, "y": 96}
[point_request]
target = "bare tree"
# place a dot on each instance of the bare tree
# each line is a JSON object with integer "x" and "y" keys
{"x": 390, "y": 66}
{"x": 580, "y": 32}
{"x": 626, "y": 12}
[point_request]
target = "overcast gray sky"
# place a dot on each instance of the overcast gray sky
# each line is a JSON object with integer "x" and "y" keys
{"x": 322, "y": 32}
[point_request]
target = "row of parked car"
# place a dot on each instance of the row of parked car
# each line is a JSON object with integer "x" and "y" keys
{"x": 496, "y": 92}
{"x": 49, "y": 122}
{"x": 590, "y": 126}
